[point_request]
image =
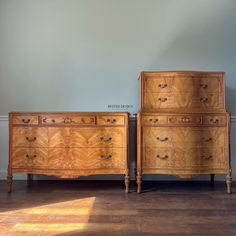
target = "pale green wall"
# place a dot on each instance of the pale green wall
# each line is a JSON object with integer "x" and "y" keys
{"x": 83, "y": 55}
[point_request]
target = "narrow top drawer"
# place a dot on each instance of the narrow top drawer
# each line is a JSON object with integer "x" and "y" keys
{"x": 111, "y": 120}
{"x": 68, "y": 120}
{"x": 25, "y": 120}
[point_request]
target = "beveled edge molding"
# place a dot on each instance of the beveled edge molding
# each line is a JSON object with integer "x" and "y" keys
{"x": 132, "y": 118}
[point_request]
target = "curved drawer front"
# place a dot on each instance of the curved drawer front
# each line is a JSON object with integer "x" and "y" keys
{"x": 86, "y": 137}
{"x": 68, "y": 120}
{"x": 25, "y": 120}
{"x": 30, "y": 137}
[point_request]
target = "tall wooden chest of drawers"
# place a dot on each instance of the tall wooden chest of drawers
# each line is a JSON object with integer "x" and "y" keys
{"x": 68, "y": 145}
{"x": 183, "y": 127}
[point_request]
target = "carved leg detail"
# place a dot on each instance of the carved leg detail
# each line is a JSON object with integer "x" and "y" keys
{"x": 139, "y": 182}
{"x": 229, "y": 182}
{"x": 9, "y": 183}
{"x": 127, "y": 183}
{"x": 212, "y": 179}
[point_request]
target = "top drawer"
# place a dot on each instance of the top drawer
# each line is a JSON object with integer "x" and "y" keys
{"x": 68, "y": 120}
{"x": 25, "y": 120}
{"x": 111, "y": 120}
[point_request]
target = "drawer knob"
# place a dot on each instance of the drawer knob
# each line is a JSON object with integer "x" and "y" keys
{"x": 106, "y": 156}
{"x": 206, "y": 157}
{"x": 185, "y": 119}
{"x": 215, "y": 121}
{"x": 162, "y": 139}
{"x": 162, "y": 99}
{"x": 203, "y": 100}
{"x": 207, "y": 139}
{"x": 204, "y": 86}
{"x": 162, "y": 157}
{"x": 31, "y": 139}
{"x": 45, "y": 120}
{"x": 154, "y": 120}
{"x": 67, "y": 120}
{"x": 106, "y": 138}
{"x": 26, "y": 121}
{"x": 162, "y": 85}
{"x": 30, "y": 157}
{"x": 112, "y": 121}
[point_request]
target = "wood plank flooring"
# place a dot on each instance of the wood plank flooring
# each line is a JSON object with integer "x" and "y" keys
{"x": 102, "y": 208}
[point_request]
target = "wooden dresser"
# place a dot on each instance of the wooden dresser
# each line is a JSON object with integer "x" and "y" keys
{"x": 68, "y": 145}
{"x": 183, "y": 128}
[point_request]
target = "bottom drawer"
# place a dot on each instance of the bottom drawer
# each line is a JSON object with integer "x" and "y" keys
{"x": 69, "y": 158}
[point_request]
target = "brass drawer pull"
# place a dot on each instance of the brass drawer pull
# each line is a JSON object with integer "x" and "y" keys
{"x": 207, "y": 139}
{"x": 68, "y": 120}
{"x": 154, "y": 120}
{"x": 106, "y": 156}
{"x": 106, "y": 138}
{"x": 26, "y": 121}
{"x": 162, "y": 99}
{"x": 215, "y": 121}
{"x": 45, "y": 120}
{"x": 112, "y": 121}
{"x": 162, "y": 85}
{"x": 204, "y": 86}
{"x": 206, "y": 157}
{"x": 186, "y": 119}
{"x": 31, "y": 139}
{"x": 162, "y": 139}
{"x": 30, "y": 157}
{"x": 162, "y": 157}
{"x": 203, "y": 100}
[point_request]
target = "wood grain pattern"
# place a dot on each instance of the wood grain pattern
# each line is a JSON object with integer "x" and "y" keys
{"x": 183, "y": 128}
{"x": 68, "y": 145}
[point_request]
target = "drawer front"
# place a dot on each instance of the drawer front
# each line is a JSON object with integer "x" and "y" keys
{"x": 211, "y": 158}
{"x": 68, "y": 120}
{"x": 111, "y": 120}
{"x": 215, "y": 120}
{"x": 30, "y": 137}
{"x": 30, "y": 158}
{"x": 184, "y": 137}
{"x": 154, "y": 120}
{"x": 182, "y": 100}
{"x": 185, "y": 119}
{"x": 25, "y": 120}
{"x": 86, "y": 137}
{"x": 163, "y": 158}
{"x": 183, "y": 83}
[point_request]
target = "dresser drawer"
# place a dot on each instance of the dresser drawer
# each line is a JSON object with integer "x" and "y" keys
{"x": 212, "y": 158}
{"x": 111, "y": 120}
{"x": 214, "y": 120}
{"x": 68, "y": 120}
{"x": 185, "y": 119}
{"x": 25, "y": 120}
{"x": 154, "y": 120}
{"x": 163, "y": 158}
{"x": 86, "y": 137}
{"x": 30, "y": 158}
{"x": 30, "y": 137}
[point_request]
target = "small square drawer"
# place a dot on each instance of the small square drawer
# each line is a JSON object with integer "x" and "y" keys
{"x": 25, "y": 120}
{"x": 185, "y": 119}
{"x": 111, "y": 120}
{"x": 154, "y": 120}
{"x": 68, "y": 120}
{"x": 214, "y": 120}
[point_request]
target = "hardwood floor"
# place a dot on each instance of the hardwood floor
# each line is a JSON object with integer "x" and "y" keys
{"x": 102, "y": 208}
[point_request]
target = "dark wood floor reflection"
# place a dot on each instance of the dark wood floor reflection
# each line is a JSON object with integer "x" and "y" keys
{"x": 103, "y": 208}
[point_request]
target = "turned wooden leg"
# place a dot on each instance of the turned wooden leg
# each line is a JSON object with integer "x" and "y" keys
{"x": 9, "y": 183}
{"x": 139, "y": 182}
{"x": 229, "y": 182}
{"x": 212, "y": 179}
{"x": 126, "y": 183}
{"x": 29, "y": 179}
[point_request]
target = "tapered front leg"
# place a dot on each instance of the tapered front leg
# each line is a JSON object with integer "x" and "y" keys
{"x": 229, "y": 181}
{"x": 127, "y": 180}
{"x": 9, "y": 183}
{"x": 139, "y": 182}
{"x": 29, "y": 179}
